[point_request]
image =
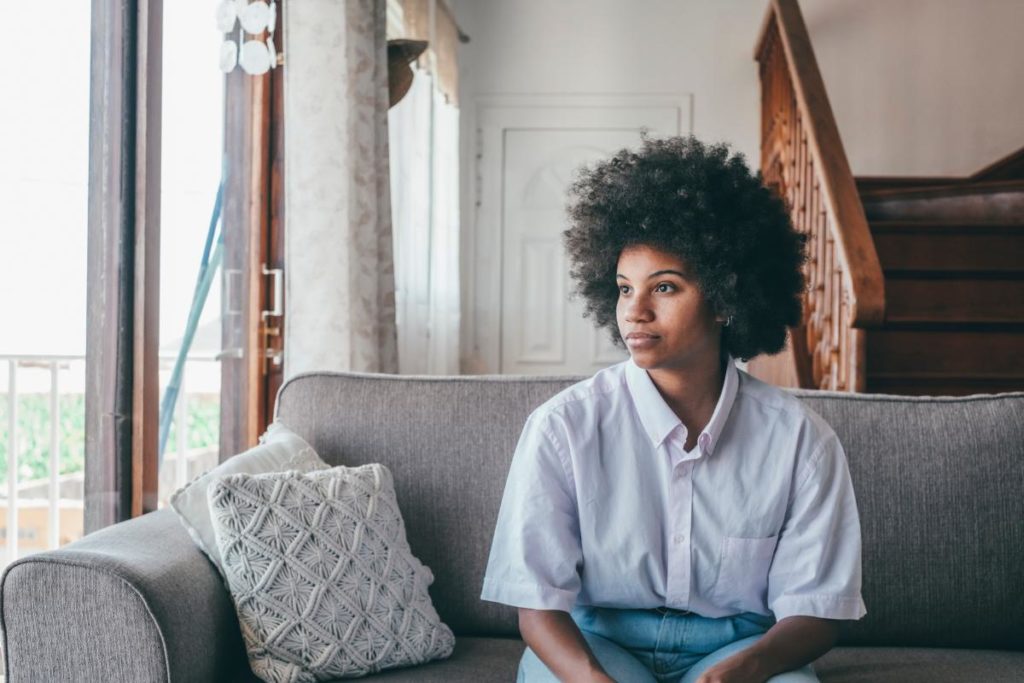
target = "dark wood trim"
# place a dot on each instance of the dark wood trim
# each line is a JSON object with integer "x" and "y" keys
{"x": 123, "y": 260}
{"x": 1010, "y": 167}
{"x": 994, "y": 177}
{"x": 876, "y": 184}
{"x": 930, "y": 191}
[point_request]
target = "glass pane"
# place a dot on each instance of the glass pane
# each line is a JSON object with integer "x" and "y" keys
{"x": 190, "y": 285}
{"x": 44, "y": 141}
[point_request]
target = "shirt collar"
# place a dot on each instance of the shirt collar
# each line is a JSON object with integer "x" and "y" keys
{"x": 659, "y": 420}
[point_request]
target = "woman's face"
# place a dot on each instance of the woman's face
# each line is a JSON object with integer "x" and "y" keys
{"x": 662, "y": 315}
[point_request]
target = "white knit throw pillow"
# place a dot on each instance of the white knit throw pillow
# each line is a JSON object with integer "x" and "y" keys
{"x": 322, "y": 576}
{"x": 279, "y": 449}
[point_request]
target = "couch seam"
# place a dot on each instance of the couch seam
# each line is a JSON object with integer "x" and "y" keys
{"x": 72, "y": 563}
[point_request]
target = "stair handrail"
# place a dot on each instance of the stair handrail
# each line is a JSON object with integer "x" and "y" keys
{"x": 827, "y": 186}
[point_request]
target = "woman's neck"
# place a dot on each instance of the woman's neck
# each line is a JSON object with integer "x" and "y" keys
{"x": 692, "y": 392}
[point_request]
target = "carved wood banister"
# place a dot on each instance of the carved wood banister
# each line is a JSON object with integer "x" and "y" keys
{"x": 803, "y": 158}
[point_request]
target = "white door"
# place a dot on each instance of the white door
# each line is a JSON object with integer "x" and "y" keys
{"x": 528, "y": 155}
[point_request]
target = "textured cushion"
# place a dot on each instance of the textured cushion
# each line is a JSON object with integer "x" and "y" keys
{"x": 322, "y": 577}
{"x": 279, "y": 449}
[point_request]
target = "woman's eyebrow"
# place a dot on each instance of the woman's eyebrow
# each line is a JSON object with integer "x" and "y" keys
{"x": 656, "y": 274}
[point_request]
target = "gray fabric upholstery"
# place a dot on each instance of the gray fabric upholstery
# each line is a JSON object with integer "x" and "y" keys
{"x": 940, "y": 490}
{"x": 133, "y": 602}
{"x": 939, "y": 482}
{"x": 495, "y": 660}
{"x": 474, "y": 660}
{"x": 918, "y": 665}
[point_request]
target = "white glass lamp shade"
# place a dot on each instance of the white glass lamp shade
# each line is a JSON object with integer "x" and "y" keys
{"x": 228, "y": 55}
{"x": 254, "y": 58}
{"x": 254, "y": 17}
{"x": 226, "y": 14}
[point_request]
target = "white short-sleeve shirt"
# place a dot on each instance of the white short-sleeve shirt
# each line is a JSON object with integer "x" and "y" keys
{"x": 603, "y": 507}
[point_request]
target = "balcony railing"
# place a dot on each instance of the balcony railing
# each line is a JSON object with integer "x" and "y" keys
{"x": 45, "y": 513}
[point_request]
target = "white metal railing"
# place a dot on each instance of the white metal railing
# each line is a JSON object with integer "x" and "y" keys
{"x": 185, "y": 462}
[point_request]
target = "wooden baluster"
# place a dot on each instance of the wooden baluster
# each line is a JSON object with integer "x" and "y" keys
{"x": 826, "y": 330}
{"x": 819, "y": 228}
{"x": 824, "y": 231}
{"x": 837, "y": 321}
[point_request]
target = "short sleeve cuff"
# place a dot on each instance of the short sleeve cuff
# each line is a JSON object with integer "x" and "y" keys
{"x": 824, "y": 606}
{"x": 529, "y": 595}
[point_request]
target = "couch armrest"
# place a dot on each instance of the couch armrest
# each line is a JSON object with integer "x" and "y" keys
{"x": 136, "y": 601}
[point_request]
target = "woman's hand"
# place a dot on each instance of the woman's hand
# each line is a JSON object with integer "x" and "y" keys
{"x": 743, "y": 667}
{"x": 790, "y": 644}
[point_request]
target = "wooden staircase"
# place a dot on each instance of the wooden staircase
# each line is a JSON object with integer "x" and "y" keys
{"x": 953, "y": 262}
{"x": 915, "y": 285}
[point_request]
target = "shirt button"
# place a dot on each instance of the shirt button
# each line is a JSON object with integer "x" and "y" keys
{"x": 678, "y": 538}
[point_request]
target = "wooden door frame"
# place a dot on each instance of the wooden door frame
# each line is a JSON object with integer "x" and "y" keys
{"x": 122, "y": 289}
{"x": 253, "y": 224}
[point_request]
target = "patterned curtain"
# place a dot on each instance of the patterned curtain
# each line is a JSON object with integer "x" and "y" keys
{"x": 339, "y": 270}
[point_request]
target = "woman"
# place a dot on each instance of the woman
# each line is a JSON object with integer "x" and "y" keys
{"x": 673, "y": 518}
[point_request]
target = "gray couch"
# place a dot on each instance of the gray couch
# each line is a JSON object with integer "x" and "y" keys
{"x": 939, "y": 482}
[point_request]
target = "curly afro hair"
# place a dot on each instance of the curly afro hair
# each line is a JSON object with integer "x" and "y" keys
{"x": 702, "y": 204}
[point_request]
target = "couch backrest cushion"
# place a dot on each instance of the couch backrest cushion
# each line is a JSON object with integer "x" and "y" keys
{"x": 939, "y": 485}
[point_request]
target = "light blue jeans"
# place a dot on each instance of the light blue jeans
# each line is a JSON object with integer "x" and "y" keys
{"x": 648, "y": 645}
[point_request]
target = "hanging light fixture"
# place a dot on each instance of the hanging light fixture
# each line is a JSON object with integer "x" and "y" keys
{"x": 257, "y": 55}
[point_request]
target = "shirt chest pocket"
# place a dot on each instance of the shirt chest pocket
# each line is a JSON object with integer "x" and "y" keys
{"x": 743, "y": 565}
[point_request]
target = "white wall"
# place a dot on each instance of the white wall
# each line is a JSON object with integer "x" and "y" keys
{"x": 922, "y": 87}
{"x": 619, "y": 46}
{"x": 919, "y": 87}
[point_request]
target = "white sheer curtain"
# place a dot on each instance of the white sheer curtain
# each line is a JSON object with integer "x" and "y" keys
{"x": 424, "y": 154}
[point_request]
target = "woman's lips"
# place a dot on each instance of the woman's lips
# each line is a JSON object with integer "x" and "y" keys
{"x": 641, "y": 341}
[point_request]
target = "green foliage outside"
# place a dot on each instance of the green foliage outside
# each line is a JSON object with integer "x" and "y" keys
{"x": 34, "y": 432}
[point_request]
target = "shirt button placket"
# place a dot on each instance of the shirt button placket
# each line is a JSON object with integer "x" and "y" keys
{"x": 678, "y": 574}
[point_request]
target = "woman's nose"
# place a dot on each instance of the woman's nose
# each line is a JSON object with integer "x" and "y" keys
{"x": 637, "y": 311}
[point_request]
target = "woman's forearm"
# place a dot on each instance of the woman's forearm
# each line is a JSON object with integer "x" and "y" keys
{"x": 792, "y": 643}
{"x": 556, "y": 639}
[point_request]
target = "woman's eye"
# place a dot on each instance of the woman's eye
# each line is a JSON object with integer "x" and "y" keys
{"x": 623, "y": 289}
{"x": 664, "y": 287}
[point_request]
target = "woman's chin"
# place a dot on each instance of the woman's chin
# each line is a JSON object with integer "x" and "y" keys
{"x": 645, "y": 359}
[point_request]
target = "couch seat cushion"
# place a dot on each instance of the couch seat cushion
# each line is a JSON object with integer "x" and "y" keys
{"x": 919, "y": 665}
{"x": 474, "y": 660}
{"x": 495, "y": 660}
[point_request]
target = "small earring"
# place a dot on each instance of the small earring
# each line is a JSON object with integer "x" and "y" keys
{"x": 727, "y": 322}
